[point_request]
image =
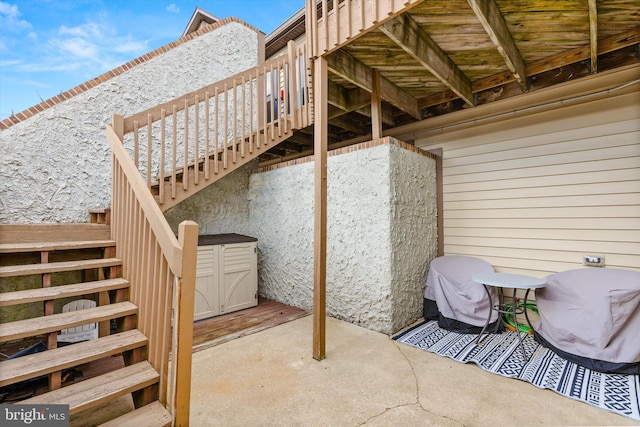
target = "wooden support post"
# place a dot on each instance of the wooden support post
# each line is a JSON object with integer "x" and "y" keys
{"x": 55, "y": 378}
{"x": 320, "y": 137}
{"x": 376, "y": 106}
{"x": 183, "y": 326}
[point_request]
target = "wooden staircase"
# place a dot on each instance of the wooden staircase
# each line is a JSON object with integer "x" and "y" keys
{"x": 187, "y": 144}
{"x": 63, "y": 262}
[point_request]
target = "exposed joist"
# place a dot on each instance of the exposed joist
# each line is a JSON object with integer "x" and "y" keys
{"x": 359, "y": 74}
{"x": 350, "y": 125}
{"x": 593, "y": 34}
{"x": 338, "y": 96}
{"x": 607, "y": 45}
{"x": 494, "y": 24}
{"x": 387, "y": 114}
{"x": 407, "y": 34}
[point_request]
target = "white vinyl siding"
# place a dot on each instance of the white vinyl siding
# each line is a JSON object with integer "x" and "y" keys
{"x": 533, "y": 195}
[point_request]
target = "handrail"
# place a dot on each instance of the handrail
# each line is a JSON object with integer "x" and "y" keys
{"x": 161, "y": 273}
{"x": 197, "y": 135}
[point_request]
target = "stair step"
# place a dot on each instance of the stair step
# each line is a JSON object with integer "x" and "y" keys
{"x": 61, "y": 291}
{"x": 34, "y": 365}
{"x": 151, "y": 415}
{"x": 56, "y": 322}
{"x": 98, "y": 390}
{"x": 56, "y": 267}
{"x": 54, "y": 246}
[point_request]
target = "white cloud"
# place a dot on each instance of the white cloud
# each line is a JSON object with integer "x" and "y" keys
{"x": 9, "y": 20}
{"x": 173, "y": 8}
{"x": 90, "y": 29}
{"x": 130, "y": 47}
{"x": 77, "y": 47}
{"x": 10, "y": 10}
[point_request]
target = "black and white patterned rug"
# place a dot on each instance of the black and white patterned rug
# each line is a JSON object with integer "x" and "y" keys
{"x": 501, "y": 354}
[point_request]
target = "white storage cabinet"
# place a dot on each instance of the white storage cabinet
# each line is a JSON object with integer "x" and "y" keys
{"x": 226, "y": 274}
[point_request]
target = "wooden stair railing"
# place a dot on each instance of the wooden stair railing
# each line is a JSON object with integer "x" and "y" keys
{"x": 161, "y": 270}
{"x": 64, "y": 261}
{"x": 184, "y": 145}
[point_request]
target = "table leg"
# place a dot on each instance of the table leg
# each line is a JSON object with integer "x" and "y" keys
{"x": 515, "y": 322}
{"x": 484, "y": 328}
{"x": 526, "y": 315}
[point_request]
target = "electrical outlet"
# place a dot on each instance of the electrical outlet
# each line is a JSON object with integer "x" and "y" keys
{"x": 593, "y": 260}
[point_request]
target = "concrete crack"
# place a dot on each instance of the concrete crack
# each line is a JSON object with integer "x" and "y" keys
{"x": 417, "y": 395}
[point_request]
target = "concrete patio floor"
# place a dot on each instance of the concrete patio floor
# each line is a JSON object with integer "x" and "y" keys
{"x": 270, "y": 379}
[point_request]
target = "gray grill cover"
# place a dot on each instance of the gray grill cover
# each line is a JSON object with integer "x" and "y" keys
{"x": 458, "y": 297}
{"x": 592, "y": 313}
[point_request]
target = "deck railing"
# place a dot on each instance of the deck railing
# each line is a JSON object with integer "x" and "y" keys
{"x": 330, "y": 27}
{"x": 161, "y": 273}
{"x": 198, "y": 135}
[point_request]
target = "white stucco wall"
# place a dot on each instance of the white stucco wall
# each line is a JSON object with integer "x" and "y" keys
{"x": 222, "y": 207}
{"x": 414, "y": 232}
{"x": 56, "y": 165}
{"x": 381, "y": 234}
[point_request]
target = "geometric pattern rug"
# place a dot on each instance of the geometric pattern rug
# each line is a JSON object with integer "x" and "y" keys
{"x": 501, "y": 354}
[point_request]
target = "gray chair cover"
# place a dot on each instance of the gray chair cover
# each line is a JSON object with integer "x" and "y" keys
{"x": 594, "y": 315}
{"x": 458, "y": 297}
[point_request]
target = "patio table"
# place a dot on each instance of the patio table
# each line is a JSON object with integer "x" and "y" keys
{"x": 506, "y": 280}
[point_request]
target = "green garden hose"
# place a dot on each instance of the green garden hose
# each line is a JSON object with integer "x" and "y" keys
{"x": 507, "y": 318}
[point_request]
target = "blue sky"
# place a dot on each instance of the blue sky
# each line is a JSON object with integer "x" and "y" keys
{"x": 50, "y": 46}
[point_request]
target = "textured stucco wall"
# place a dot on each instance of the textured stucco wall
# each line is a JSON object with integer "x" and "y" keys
{"x": 56, "y": 165}
{"x": 381, "y": 234}
{"x": 222, "y": 207}
{"x": 414, "y": 232}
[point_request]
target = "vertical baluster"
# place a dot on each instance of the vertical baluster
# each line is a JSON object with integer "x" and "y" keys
{"x": 349, "y": 19}
{"x": 280, "y": 85}
{"x": 174, "y": 153}
{"x": 274, "y": 101}
{"x": 362, "y": 10}
{"x": 325, "y": 21}
{"x": 336, "y": 20}
{"x": 292, "y": 102}
{"x": 244, "y": 114}
{"x": 225, "y": 131}
{"x": 251, "y": 100}
{"x": 262, "y": 103}
{"x": 234, "y": 135}
{"x": 206, "y": 136}
{"x": 136, "y": 145}
{"x": 216, "y": 131}
{"x": 162, "y": 154}
{"x": 196, "y": 141}
{"x": 149, "y": 144}
{"x": 302, "y": 85}
{"x": 185, "y": 168}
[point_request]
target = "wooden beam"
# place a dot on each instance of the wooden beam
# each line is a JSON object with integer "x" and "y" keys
{"x": 351, "y": 69}
{"x": 562, "y": 59}
{"x": 338, "y": 96}
{"x": 352, "y": 100}
{"x": 593, "y": 35}
{"x": 407, "y": 34}
{"x": 350, "y": 125}
{"x": 376, "y": 106}
{"x": 320, "y": 139}
{"x": 387, "y": 114}
{"x": 494, "y": 24}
